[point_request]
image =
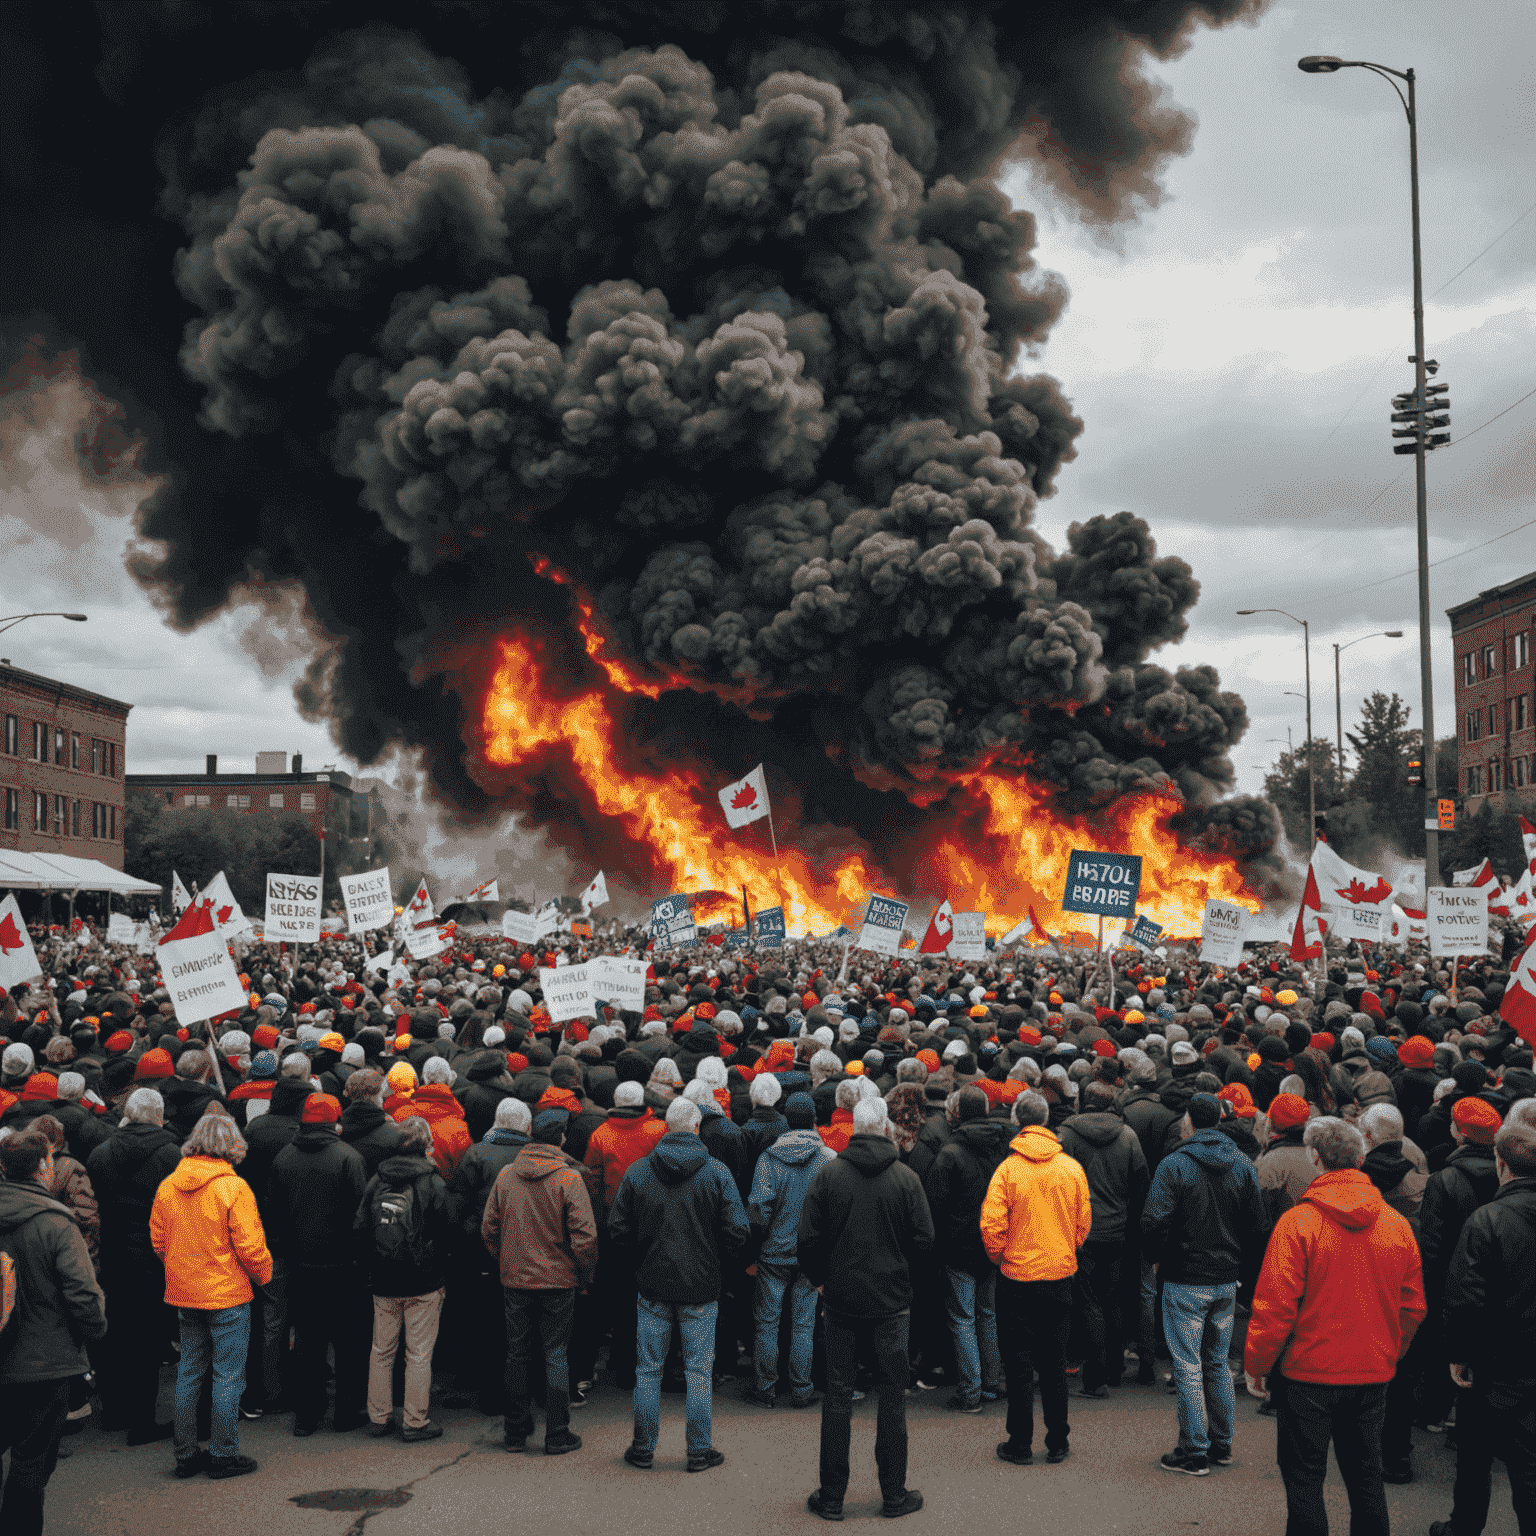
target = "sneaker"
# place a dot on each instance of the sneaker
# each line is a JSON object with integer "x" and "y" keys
{"x": 1220, "y": 1455}
{"x": 702, "y": 1461}
{"x": 428, "y": 1431}
{"x": 856, "y": 1397}
{"x": 808, "y": 1400}
{"x": 190, "y": 1466}
{"x": 908, "y": 1504}
{"x": 762, "y": 1399}
{"x": 961, "y": 1404}
{"x": 1186, "y": 1461}
{"x": 230, "y": 1466}
{"x": 826, "y": 1508}
{"x": 578, "y": 1398}
{"x": 378, "y": 1431}
{"x": 1056, "y": 1457}
{"x": 990, "y": 1394}
{"x": 1008, "y": 1452}
{"x": 1397, "y": 1472}
{"x": 558, "y": 1445}
{"x": 251, "y": 1411}
{"x": 645, "y": 1460}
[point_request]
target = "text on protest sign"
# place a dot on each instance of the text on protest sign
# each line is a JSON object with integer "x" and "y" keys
{"x": 1144, "y": 932}
{"x": 968, "y": 941}
{"x": 1458, "y": 920}
{"x": 672, "y": 924}
{"x": 369, "y": 898}
{"x": 1346, "y": 921}
{"x": 424, "y": 943}
{"x": 293, "y": 908}
{"x": 769, "y": 924}
{"x": 619, "y": 981}
{"x": 883, "y": 923}
{"x": 195, "y": 969}
{"x": 120, "y": 928}
{"x": 520, "y": 927}
{"x": 568, "y": 993}
{"x": 1105, "y": 884}
{"x": 1221, "y": 933}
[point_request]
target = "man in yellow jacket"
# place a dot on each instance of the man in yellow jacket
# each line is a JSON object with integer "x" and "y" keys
{"x": 1034, "y": 1219}
{"x": 205, "y": 1227}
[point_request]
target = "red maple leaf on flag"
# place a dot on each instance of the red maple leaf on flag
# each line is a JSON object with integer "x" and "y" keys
{"x": 223, "y": 915}
{"x": 1357, "y": 892}
{"x": 10, "y": 937}
{"x": 942, "y": 922}
{"x": 744, "y": 798}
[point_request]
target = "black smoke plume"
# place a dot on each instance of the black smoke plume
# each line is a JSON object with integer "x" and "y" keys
{"x": 718, "y": 305}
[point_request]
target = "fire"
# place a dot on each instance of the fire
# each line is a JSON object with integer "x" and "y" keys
{"x": 993, "y": 843}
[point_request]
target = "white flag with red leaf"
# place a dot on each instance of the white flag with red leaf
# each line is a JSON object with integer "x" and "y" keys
{"x": 1519, "y": 900}
{"x": 18, "y": 960}
{"x": 419, "y": 911}
{"x": 1311, "y": 925}
{"x": 595, "y": 895}
{"x": 941, "y": 929}
{"x": 746, "y": 800}
{"x": 1519, "y": 1006}
{"x": 227, "y": 916}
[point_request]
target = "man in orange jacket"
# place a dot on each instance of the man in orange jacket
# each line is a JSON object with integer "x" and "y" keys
{"x": 1035, "y": 1217}
{"x": 434, "y": 1102}
{"x": 1338, "y": 1300}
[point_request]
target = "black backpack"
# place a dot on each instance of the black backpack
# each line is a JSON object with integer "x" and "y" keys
{"x": 399, "y": 1225}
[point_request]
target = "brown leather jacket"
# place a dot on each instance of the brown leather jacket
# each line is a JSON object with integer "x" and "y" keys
{"x": 538, "y": 1221}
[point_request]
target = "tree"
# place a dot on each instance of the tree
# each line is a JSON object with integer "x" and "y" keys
{"x": 1285, "y": 787}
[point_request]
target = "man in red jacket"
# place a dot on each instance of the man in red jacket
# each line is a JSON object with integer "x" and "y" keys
{"x": 1338, "y": 1300}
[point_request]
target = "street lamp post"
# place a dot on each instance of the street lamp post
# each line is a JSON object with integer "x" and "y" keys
{"x": 1338, "y": 697}
{"x": 12, "y": 620}
{"x": 1306, "y": 641}
{"x": 1321, "y": 64}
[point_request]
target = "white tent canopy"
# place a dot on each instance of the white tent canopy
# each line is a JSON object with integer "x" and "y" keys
{"x": 59, "y": 872}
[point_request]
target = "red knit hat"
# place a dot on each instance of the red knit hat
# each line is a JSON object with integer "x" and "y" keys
{"x": 120, "y": 1040}
{"x": 1478, "y": 1119}
{"x": 1288, "y": 1110}
{"x": 1103, "y": 1048}
{"x": 155, "y": 1063}
{"x": 1416, "y": 1051}
{"x": 320, "y": 1109}
{"x": 264, "y": 1037}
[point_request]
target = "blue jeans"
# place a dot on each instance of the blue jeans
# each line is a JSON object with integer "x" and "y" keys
{"x": 216, "y": 1339}
{"x": 653, "y": 1334}
{"x": 972, "y": 1309}
{"x": 772, "y": 1281}
{"x": 1197, "y": 1322}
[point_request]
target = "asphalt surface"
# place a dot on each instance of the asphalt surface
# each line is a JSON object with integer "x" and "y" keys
{"x": 465, "y": 1483}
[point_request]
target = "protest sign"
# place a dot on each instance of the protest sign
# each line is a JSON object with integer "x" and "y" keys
{"x": 195, "y": 968}
{"x": 144, "y": 938}
{"x": 1020, "y": 930}
{"x": 672, "y": 924}
{"x": 568, "y": 992}
{"x": 1144, "y": 932}
{"x": 619, "y": 981}
{"x": 1105, "y": 884}
{"x": 884, "y": 920}
{"x": 426, "y": 942}
{"x": 1458, "y": 920}
{"x": 769, "y": 927}
{"x": 1362, "y": 922}
{"x": 1221, "y": 933}
{"x": 119, "y": 928}
{"x": 293, "y": 908}
{"x": 370, "y": 903}
{"x": 969, "y": 939}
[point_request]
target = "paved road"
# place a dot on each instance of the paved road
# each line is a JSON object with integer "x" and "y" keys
{"x": 465, "y": 1484}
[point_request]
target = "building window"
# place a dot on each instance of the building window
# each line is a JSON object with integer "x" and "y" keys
{"x": 58, "y": 746}
{"x": 274, "y": 802}
{"x": 1519, "y": 712}
{"x": 1493, "y": 719}
{"x": 111, "y": 759}
{"x": 112, "y": 829}
{"x": 1469, "y": 669}
{"x": 12, "y": 736}
{"x": 1519, "y": 767}
{"x": 1474, "y": 781}
{"x": 74, "y": 750}
{"x": 39, "y": 811}
{"x": 96, "y": 810}
{"x": 1495, "y": 775}
{"x": 96, "y": 756}
{"x": 12, "y": 810}
{"x": 39, "y": 742}
{"x": 1522, "y": 648}
{"x": 1490, "y": 661}
{"x": 306, "y": 802}
{"x": 60, "y": 825}
{"x": 74, "y": 818}
{"x": 170, "y": 797}
{"x": 1474, "y": 724}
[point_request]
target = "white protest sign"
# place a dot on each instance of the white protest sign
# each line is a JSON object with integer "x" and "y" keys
{"x": 521, "y": 927}
{"x": 568, "y": 993}
{"x": 376, "y": 965}
{"x": 969, "y": 939}
{"x": 399, "y": 975}
{"x": 196, "y": 970}
{"x": 1221, "y": 933}
{"x": 1458, "y": 920}
{"x": 293, "y": 908}
{"x": 423, "y": 943}
{"x": 144, "y": 938}
{"x": 1362, "y": 922}
{"x": 120, "y": 928}
{"x": 882, "y": 926}
{"x": 368, "y": 899}
{"x": 619, "y": 981}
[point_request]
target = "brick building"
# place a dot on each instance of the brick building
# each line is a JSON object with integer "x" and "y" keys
{"x": 62, "y": 760}
{"x": 1493, "y": 636}
{"x": 326, "y": 800}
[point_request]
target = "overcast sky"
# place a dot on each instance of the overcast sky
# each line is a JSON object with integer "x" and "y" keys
{"x": 1233, "y": 355}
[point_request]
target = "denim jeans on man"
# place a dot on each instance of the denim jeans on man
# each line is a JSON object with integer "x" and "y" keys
{"x": 885, "y": 1338}
{"x": 216, "y": 1339}
{"x": 1307, "y": 1417}
{"x": 773, "y": 1280}
{"x": 550, "y": 1313}
{"x": 972, "y": 1308}
{"x": 653, "y": 1335}
{"x": 1197, "y": 1323}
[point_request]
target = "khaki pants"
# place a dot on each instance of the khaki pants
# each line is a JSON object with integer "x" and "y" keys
{"x": 418, "y": 1315}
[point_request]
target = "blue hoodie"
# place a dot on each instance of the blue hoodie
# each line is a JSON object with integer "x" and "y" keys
{"x": 1204, "y": 1222}
{"x": 784, "y": 1173}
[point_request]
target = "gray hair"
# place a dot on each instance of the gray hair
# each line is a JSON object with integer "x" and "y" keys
{"x": 1030, "y": 1109}
{"x": 71, "y": 1085}
{"x": 847, "y": 1093}
{"x": 628, "y": 1095}
{"x": 911, "y": 1070}
{"x": 683, "y": 1115}
{"x": 824, "y": 1064}
{"x": 295, "y": 1064}
{"x": 666, "y": 1071}
{"x": 144, "y": 1107}
{"x": 514, "y": 1115}
{"x": 711, "y": 1070}
{"x": 436, "y": 1070}
{"x": 870, "y": 1116}
{"x": 766, "y": 1090}
{"x": 1381, "y": 1123}
{"x": 1522, "y": 1112}
{"x": 1336, "y": 1142}
{"x": 415, "y": 1136}
{"x": 699, "y": 1092}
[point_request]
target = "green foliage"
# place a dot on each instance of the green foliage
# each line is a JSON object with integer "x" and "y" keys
{"x": 1285, "y": 787}
{"x": 1493, "y": 834}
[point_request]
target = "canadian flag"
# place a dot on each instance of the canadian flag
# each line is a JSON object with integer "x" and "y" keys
{"x": 227, "y": 916}
{"x": 1528, "y": 838}
{"x": 1519, "y": 900}
{"x": 18, "y": 960}
{"x": 746, "y": 800}
{"x": 1402, "y": 924}
{"x": 1479, "y": 874}
{"x": 1311, "y": 925}
{"x": 180, "y": 901}
{"x": 419, "y": 910}
{"x": 941, "y": 928}
{"x": 489, "y": 891}
{"x": 1339, "y": 883}
{"x": 595, "y": 895}
{"x": 1519, "y": 1006}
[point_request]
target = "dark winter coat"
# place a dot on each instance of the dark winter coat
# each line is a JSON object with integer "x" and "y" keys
{"x": 425, "y": 1272}
{"x": 185, "y": 1102}
{"x": 316, "y": 1184}
{"x": 268, "y": 1134}
{"x": 722, "y": 1140}
{"x": 957, "y": 1184}
{"x": 366, "y": 1128}
{"x": 470, "y": 1185}
{"x": 1152, "y": 1120}
{"x": 1204, "y": 1222}
{"x": 700, "y": 1041}
{"x": 487, "y": 1085}
{"x": 125, "y": 1171}
{"x": 1111, "y": 1157}
{"x": 84, "y": 1129}
{"x": 1468, "y": 1181}
{"x": 1415, "y": 1094}
{"x": 764, "y": 1127}
{"x": 1492, "y": 1276}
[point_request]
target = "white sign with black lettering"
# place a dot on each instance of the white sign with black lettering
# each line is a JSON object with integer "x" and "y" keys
{"x": 1458, "y": 920}
{"x": 196, "y": 971}
{"x": 119, "y": 928}
{"x": 619, "y": 981}
{"x": 370, "y": 903}
{"x": 969, "y": 939}
{"x": 293, "y": 908}
{"x": 568, "y": 992}
{"x": 1222, "y": 929}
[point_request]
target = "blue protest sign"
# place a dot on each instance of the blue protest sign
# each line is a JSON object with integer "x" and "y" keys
{"x": 1145, "y": 932}
{"x": 883, "y": 924}
{"x": 769, "y": 923}
{"x": 1105, "y": 884}
{"x": 672, "y": 924}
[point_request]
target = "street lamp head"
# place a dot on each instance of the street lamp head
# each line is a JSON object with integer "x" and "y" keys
{"x": 1393, "y": 634}
{"x": 1319, "y": 64}
{"x": 78, "y": 618}
{"x": 1245, "y": 612}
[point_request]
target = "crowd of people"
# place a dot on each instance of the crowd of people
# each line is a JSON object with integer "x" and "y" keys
{"x": 367, "y": 1190}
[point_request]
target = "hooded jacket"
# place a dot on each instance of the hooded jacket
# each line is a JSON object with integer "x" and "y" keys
{"x": 864, "y": 1220}
{"x": 1037, "y": 1212}
{"x": 1469, "y": 1180}
{"x": 370, "y": 1132}
{"x": 1493, "y": 1275}
{"x": 205, "y": 1227}
{"x": 312, "y": 1198}
{"x": 435, "y": 1103}
{"x": 678, "y": 1207}
{"x": 1152, "y": 1120}
{"x": 422, "y": 1272}
{"x": 126, "y": 1170}
{"x": 957, "y": 1185}
{"x": 472, "y": 1181}
{"x": 1204, "y": 1222}
{"x": 1116, "y": 1169}
{"x": 1340, "y": 1294}
{"x": 486, "y": 1085}
{"x": 1398, "y": 1178}
{"x": 268, "y": 1134}
{"x": 700, "y": 1041}
{"x": 59, "y": 1306}
{"x": 618, "y": 1143}
{"x": 784, "y": 1174}
{"x": 1285, "y": 1169}
{"x": 538, "y": 1222}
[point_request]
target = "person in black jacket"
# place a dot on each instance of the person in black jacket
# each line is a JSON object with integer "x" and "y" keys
{"x": 313, "y": 1194}
{"x": 487, "y": 1083}
{"x": 364, "y": 1125}
{"x": 864, "y": 1220}
{"x": 956, "y": 1186}
{"x": 1490, "y": 1334}
{"x": 404, "y": 1229}
{"x": 125, "y": 1171}
{"x": 188, "y": 1093}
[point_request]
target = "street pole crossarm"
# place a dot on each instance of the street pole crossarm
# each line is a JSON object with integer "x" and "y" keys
{"x": 1245, "y": 612}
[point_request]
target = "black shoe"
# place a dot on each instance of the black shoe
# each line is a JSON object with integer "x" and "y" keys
{"x": 378, "y": 1431}
{"x": 558, "y": 1445}
{"x": 1267, "y": 1408}
{"x": 578, "y": 1398}
{"x": 1440, "y": 1528}
{"x": 230, "y": 1466}
{"x": 959, "y": 1404}
{"x": 762, "y": 1399}
{"x": 704, "y": 1460}
{"x": 344, "y": 1424}
{"x": 1187, "y": 1462}
{"x": 1093, "y": 1392}
{"x": 645, "y": 1460}
{"x": 303, "y": 1431}
{"x": 908, "y": 1504}
{"x": 1007, "y": 1452}
{"x": 190, "y": 1466}
{"x": 1056, "y": 1457}
{"x": 1145, "y": 1375}
{"x": 824, "y": 1507}
{"x": 1221, "y": 1456}
{"x": 514, "y": 1443}
{"x": 809, "y": 1400}
{"x": 428, "y": 1431}
{"x": 149, "y": 1436}
{"x": 1397, "y": 1472}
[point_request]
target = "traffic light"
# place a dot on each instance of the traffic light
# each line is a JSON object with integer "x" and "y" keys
{"x": 1429, "y": 417}
{"x": 1415, "y": 771}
